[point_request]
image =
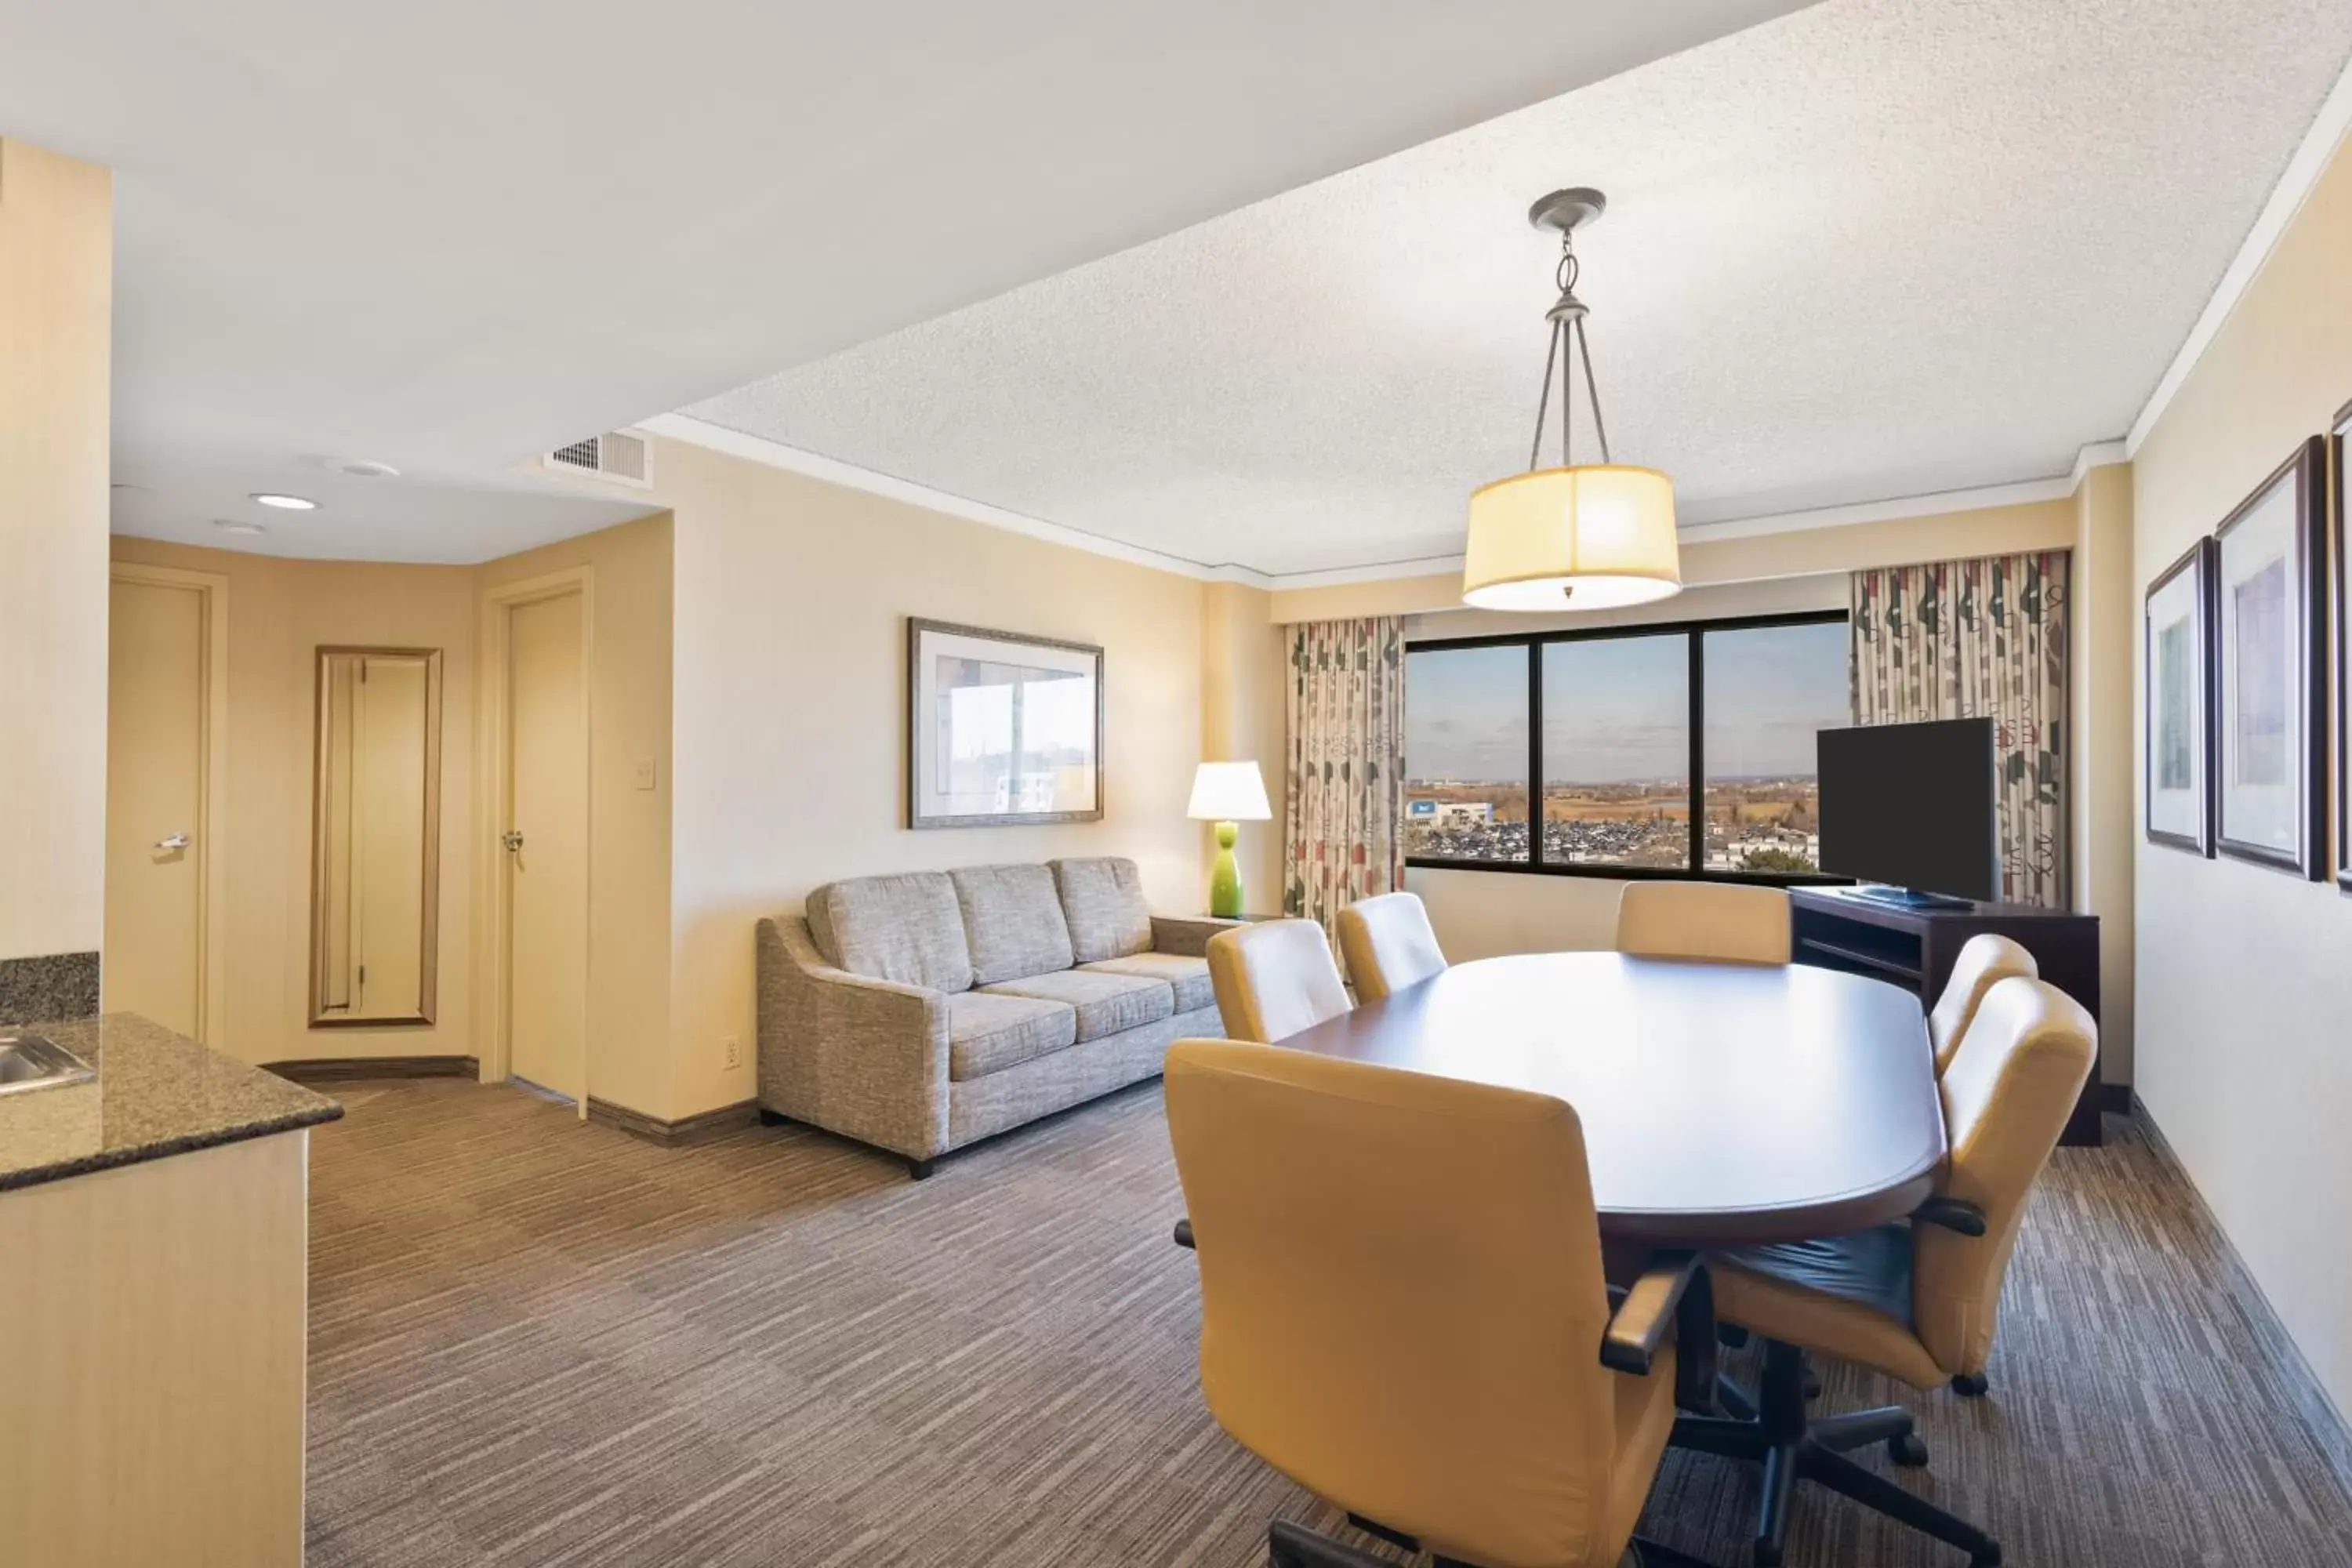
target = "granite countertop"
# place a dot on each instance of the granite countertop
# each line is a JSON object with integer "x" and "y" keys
{"x": 157, "y": 1093}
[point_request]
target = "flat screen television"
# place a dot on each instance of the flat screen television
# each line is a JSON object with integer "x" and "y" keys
{"x": 1912, "y": 805}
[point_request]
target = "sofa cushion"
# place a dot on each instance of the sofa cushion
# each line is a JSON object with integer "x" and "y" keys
{"x": 988, "y": 1033}
{"x": 1013, "y": 922}
{"x": 1103, "y": 900}
{"x": 1106, "y": 1004}
{"x": 904, "y": 928}
{"x": 1187, "y": 977}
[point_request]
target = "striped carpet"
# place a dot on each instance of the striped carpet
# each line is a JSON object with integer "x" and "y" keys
{"x": 538, "y": 1341}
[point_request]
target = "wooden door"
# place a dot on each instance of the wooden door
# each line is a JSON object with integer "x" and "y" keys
{"x": 546, "y": 855}
{"x": 156, "y": 691}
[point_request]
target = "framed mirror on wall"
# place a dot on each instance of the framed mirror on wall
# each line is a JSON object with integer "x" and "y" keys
{"x": 375, "y": 860}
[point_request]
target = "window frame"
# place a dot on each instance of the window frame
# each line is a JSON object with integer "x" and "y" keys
{"x": 1695, "y": 631}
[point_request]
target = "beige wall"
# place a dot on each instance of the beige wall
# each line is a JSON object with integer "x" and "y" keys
{"x": 2244, "y": 994}
{"x": 628, "y": 827}
{"x": 1244, "y": 680}
{"x": 279, "y": 612}
{"x": 790, "y": 714}
{"x": 2104, "y": 831}
{"x": 56, "y": 272}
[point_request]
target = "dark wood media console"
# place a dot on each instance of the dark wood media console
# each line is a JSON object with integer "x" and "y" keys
{"x": 1835, "y": 928}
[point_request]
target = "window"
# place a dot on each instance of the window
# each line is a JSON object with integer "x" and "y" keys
{"x": 1465, "y": 755}
{"x": 1620, "y": 726}
{"x": 1616, "y": 753}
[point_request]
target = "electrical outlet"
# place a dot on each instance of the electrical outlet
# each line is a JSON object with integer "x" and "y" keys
{"x": 732, "y": 1049}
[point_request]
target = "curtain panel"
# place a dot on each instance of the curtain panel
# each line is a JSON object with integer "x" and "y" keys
{"x": 1345, "y": 722}
{"x": 1983, "y": 638}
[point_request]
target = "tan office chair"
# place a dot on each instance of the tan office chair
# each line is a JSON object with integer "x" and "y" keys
{"x": 1985, "y": 961}
{"x": 1388, "y": 945}
{"x": 1274, "y": 978}
{"x": 1402, "y": 1309}
{"x": 1704, "y": 919}
{"x": 1916, "y": 1300}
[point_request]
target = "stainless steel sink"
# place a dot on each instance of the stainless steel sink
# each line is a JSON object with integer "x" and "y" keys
{"x": 29, "y": 1061}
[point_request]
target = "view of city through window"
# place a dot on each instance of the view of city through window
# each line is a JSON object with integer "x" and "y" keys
{"x": 1617, "y": 757}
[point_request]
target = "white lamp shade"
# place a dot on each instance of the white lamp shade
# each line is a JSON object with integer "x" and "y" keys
{"x": 1588, "y": 538}
{"x": 1229, "y": 791}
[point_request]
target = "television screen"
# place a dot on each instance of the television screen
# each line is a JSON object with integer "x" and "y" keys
{"x": 1912, "y": 804}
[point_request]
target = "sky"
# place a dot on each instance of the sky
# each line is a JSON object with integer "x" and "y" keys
{"x": 1618, "y": 709}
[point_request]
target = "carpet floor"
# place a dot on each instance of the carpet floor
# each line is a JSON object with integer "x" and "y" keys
{"x": 535, "y": 1342}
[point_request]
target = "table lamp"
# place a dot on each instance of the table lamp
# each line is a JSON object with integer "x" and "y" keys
{"x": 1227, "y": 793}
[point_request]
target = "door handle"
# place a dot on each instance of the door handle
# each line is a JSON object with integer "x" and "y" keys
{"x": 177, "y": 841}
{"x": 512, "y": 839}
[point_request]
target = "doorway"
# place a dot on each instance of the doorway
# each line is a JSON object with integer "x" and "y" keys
{"x": 167, "y": 672}
{"x": 537, "y": 711}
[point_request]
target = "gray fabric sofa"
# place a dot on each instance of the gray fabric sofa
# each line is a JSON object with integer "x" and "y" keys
{"x": 923, "y": 1012}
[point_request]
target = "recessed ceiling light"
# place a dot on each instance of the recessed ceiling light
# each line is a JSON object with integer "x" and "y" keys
{"x": 284, "y": 503}
{"x": 231, "y": 525}
{"x": 363, "y": 469}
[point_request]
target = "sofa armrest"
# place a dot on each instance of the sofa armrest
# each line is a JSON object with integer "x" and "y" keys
{"x": 856, "y": 1055}
{"x": 1184, "y": 937}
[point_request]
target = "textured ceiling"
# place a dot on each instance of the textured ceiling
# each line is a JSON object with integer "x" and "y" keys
{"x": 450, "y": 236}
{"x": 1873, "y": 249}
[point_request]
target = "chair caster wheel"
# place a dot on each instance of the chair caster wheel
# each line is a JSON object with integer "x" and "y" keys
{"x": 1907, "y": 1450}
{"x": 1812, "y": 1384}
{"x": 1971, "y": 1384}
{"x": 1986, "y": 1559}
{"x": 1767, "y": 1556}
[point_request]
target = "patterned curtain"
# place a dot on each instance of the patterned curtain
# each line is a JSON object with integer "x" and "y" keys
{"x": 1346, "y": 794}
{"x": 1970, "y": 639}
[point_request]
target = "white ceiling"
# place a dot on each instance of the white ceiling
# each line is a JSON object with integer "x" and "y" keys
{"x": 449, "y": 236}
{"x": 1875, "y": 248}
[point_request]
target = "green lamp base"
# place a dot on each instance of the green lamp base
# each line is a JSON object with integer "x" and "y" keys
{"x": 1225, "y": 882}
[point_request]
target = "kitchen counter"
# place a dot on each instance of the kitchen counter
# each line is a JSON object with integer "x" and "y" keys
{"x": 157, "y": 1093}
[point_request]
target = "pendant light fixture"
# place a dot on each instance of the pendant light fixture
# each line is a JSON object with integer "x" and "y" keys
{"x": 1589, "y": 536}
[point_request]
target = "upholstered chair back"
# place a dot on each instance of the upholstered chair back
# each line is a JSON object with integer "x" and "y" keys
{"x": 1388, "y": 943}
{"x": 1704, "y": 919}
{"x": 2012, "y": 1084}
{"x": 1985, "y": 961}
{"x": 1401, "y": 1297}
{"x": 1273, "y": 979}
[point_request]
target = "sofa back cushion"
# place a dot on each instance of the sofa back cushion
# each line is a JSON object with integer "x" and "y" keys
{"x": 1013, "y": 922}
{"x": 1103, "y": 900}
{"x": 905, "y": 927}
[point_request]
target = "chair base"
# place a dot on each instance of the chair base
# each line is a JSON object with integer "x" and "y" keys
{"x": 1289, "y": 1545}
{"x": 1773, "y": 1430}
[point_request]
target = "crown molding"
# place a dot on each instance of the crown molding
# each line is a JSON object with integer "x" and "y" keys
{"x": 2311, "y": 159}
{"x": 832, "y": 470}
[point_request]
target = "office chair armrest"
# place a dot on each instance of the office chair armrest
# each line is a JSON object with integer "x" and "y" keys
{"x": 1952, "y": 1214}
{"x": 1185, "y": 1234}
{"x": 1646, "y": 1317}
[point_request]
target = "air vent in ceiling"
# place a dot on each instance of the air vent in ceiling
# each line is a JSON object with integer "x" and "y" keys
{"x": 615, "y": 455}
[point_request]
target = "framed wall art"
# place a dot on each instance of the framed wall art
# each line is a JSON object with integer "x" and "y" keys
{"x": 2270, "y": 595}
{"x": 2339, "y": 443}
{"x": 1002, "y": 730}
{"x": 2177, "y": 630}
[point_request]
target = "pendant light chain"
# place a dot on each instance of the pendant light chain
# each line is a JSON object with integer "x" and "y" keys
{"x": 1567, "y": 347}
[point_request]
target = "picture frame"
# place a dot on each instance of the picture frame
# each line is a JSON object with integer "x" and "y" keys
{"x": 2271, "y": 660}
{"x": 1002, "y": 729}
{"x": 2178, "y": 626}
{"x": 2339, "y": 444}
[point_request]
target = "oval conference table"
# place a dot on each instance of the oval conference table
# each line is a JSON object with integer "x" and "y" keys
{"x": 1723, "y": 1104}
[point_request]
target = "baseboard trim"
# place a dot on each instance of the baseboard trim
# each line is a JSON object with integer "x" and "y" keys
{"x": 2329, "y": 1431}
{"x": 669, "y": 1134}
{"x": 349, "y": 1070}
